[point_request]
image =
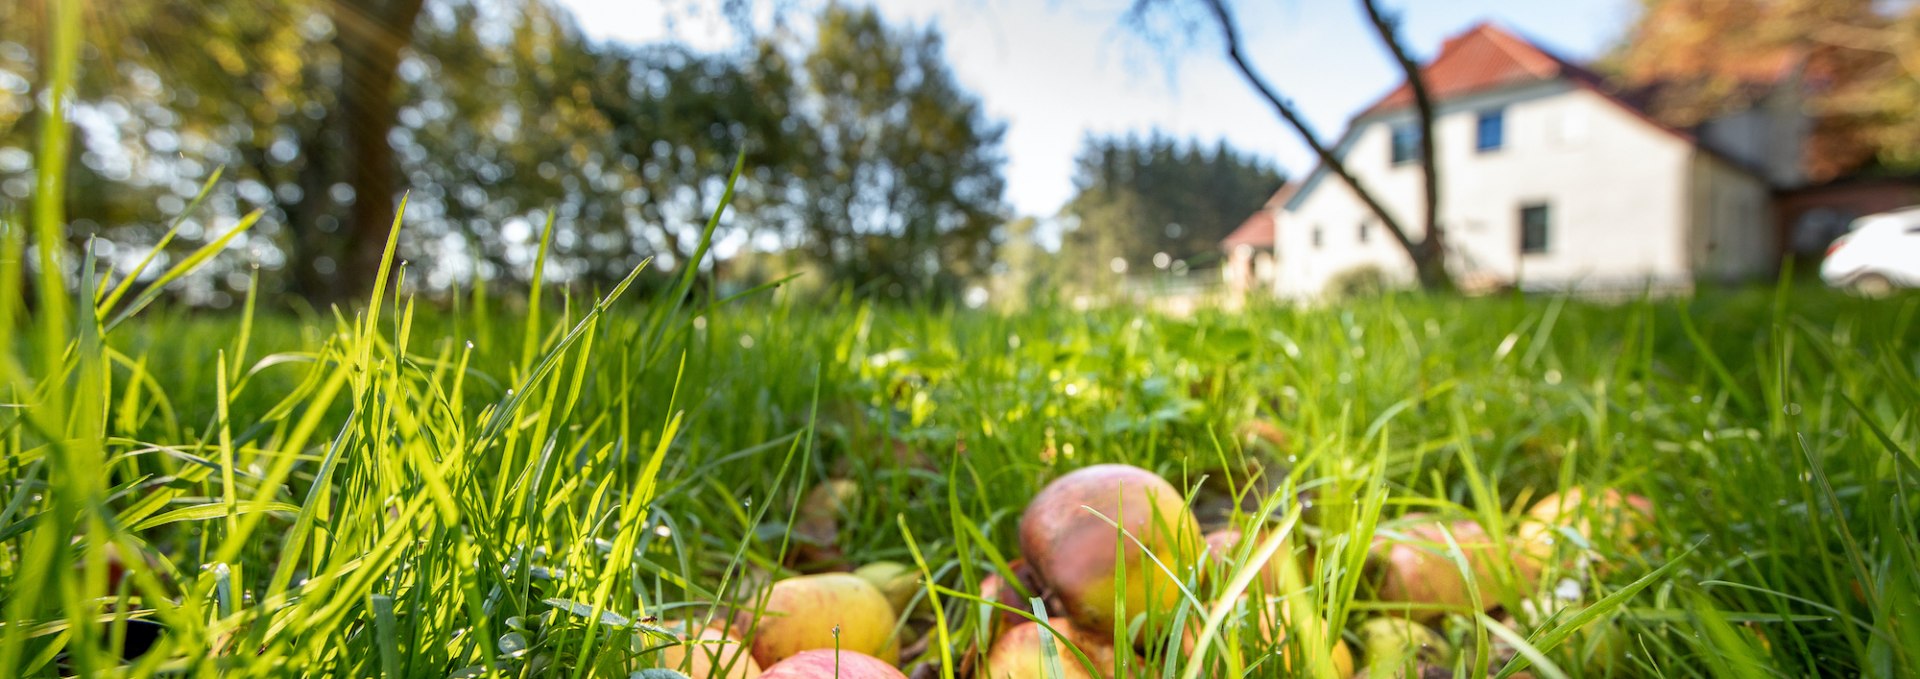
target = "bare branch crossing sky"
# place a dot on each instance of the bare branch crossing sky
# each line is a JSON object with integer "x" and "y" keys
{"x": 1057, "y": 70}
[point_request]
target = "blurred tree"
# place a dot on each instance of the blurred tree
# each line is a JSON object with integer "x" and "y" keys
{"x": 904, "y": 189}
{"x": 1426, "y": 247}
{"x": 368, "y": 37}
{"x": 1021, "y": 267}
{"x": 1137, "y": 198}
{"x": 1858, "y": 60}
{"x": 264, "y": 90}
{"x": 866, "y": 155}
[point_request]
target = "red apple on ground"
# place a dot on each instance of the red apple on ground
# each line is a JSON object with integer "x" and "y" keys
{"x": 1018, "y": 654}
{"x": 829, "y": 664}
{"x": 996, "y": 589}
{"x": 1074, "y": 550}
{"x": 1418, "y": 570}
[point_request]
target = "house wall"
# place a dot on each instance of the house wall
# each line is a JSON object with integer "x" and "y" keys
{"x": 1616, "y": 187}
{"x": 1767, "y": 137}
{"x": 1732, "y": 234}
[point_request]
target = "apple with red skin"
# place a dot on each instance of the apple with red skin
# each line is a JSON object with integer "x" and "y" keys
{"x": 830, "y": 664}
{"x": 1074, "y": 550}
{"x": 1419, "y": 570}
{"x": 1018, "y": 654}
{"x": 996, "y": 589}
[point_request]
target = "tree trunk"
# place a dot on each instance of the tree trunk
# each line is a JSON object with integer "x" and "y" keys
{"x": 369, "y": 35}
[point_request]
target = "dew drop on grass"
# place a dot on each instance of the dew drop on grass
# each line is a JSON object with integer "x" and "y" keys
{"x": 748, "y": 503}
{"x": 1791, "y": 409}
{"x": 1553, "y": 377}
{"x": 469, "y": 344}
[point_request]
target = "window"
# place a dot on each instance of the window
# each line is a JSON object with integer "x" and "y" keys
{"x": 1317, "y": 239}
{"x": 1533, "y": 229}
{"x": 1490, "y": 130}
{"x": 1406, "y": 143}
{"x": 1366, "y": 230}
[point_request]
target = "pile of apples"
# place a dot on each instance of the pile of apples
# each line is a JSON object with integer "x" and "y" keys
{"x": 1105, "y": 545}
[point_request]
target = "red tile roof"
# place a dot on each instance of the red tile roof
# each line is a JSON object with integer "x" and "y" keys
{"x": 1485, "y": 57}
{"x": 1257, "y": 231}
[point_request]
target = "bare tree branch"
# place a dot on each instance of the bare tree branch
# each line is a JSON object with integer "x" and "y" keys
{"x": 1231, "y": 35}
{"x": 1387, "y": 28}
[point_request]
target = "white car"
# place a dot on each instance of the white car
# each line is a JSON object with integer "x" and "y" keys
{"x": 1878, "y": 253}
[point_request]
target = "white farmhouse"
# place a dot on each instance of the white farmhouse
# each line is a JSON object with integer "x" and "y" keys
{"x": 1550, "y": 180}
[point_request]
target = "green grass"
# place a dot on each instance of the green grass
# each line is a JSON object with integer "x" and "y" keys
{"x": 410, "y": 489}
{"x": 398, "y": 491}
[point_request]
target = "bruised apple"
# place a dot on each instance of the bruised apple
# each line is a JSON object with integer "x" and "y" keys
{"x": 710, "y": 653}
{"x": 1074, "y": 550}
{"x": 1018, "y": 654}
{"x": 829, "y": 664}
{"x": 1419, "y": 571}
{"x": 806, "y": 612}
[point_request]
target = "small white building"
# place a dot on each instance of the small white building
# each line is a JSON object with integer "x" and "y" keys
{"x": 1550, "y": 180}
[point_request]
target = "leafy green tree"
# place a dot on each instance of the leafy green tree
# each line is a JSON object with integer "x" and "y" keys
{"x": 904, "y": 191}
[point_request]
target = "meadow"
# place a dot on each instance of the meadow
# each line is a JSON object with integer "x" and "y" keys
{"x": 550, "y": 485}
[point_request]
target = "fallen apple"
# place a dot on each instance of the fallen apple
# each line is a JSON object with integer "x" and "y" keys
{"x": 996, "y": 589}
{"x": 708, "y": 653}
{"x": 1224, "y": 545}
{"x": 1257, "y": 433}
{"x": 897, "y": 581}
{"x": 1397, "y": 647}
{"x": 1080, "y": 553}
{"x": 1020, "y": 653}
{"x": 831, "y": 664}
{"x": 816, "y": 528}
{"x": 825, "y": 611}
{"x": 1273, "y": 628}
{"x": 1610, "y": 522}
{"x": 1418, "y": 569}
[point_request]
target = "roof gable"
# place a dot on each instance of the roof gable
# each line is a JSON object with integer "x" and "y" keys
{"x": 1485, "y": 57}
{"x": 1258, "y": 229}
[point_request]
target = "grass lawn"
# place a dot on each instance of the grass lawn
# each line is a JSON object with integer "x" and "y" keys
{"x": 399, "y": 491}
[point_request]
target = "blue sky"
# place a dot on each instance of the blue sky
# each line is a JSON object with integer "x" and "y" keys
{"x": 1057, "y": 70}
